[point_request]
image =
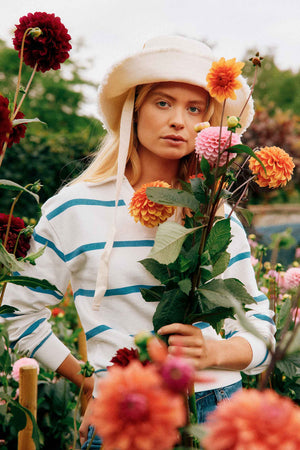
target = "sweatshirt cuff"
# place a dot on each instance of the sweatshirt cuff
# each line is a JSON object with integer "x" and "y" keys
{"x": 51, "y": 353}
{"x": 259, "y": 350}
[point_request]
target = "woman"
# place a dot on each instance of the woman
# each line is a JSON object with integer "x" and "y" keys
{"x": 150, "y": 103}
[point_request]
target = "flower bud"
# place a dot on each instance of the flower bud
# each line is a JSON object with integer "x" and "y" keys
{"x": 142, "y": 338}
{"x": 252, "y": 237}
{"x": 35, "y": 32}
{"x": 200, "y": 126}
{"x": 87, "y": 369}
{"x": 36, "y": 187}
{"x": 232, "y": 121}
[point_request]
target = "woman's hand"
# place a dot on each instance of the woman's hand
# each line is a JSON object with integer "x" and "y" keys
{"x": 188, "y": 342}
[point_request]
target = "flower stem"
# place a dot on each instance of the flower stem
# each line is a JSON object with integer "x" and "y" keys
{"x": 3, "y": 152}
{"x": 75, "y": 415}
{"x": 251, "y": 91}
{"x": 26, "y": 91}
{"x": 91, "y": 441}
{"x": 20, "y": 71}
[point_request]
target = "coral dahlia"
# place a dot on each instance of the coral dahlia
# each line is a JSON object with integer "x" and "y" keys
{"x": 279, "y": 167}
{"x": 207, "y": 144}
{"x": 134, "y": 411}
{"x": 222, "y": 79}
{"x": 254, "y": 420}
{"x": 146, "y": 211}
{"x": 48, "y": 49}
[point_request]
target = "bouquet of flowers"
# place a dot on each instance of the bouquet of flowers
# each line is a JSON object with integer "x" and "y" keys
{"x": 188, "y": 257}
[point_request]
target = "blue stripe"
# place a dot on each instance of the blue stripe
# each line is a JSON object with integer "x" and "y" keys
{"x": 97, "y": 330}
{"x": 201, "y": 325}
{"x": 100, "y": 245}
{"x": 234, "y": 219}
{"x": 41, "y": 343}
{"x": 82, "y": 202}
{"x": 263, "y": 317}
{"x": 100, "y": 370}
{"x": 239, "y": 257}
{"x": 261, "y": 298}
{"x": 41, "y": 290}
{"x": 5, "y": 316}
{"x": 29, "y": 330}
{"x": 266, "y": 355}
{"x": 50, "y": 244}
{"x": 110, "y": 292}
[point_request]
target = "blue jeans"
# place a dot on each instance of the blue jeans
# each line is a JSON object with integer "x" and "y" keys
{"x": 206, "y": 402}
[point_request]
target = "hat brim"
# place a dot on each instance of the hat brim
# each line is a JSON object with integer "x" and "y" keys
{"x": 159, "y": 65}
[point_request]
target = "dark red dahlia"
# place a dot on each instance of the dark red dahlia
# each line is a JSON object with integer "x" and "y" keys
{"x": 18, "y": 131}
{"x": 124, "y": 355}
{"x": 17, "y": 224}
{"x": 48, "y": 50}
{"x": 5, "y": 122}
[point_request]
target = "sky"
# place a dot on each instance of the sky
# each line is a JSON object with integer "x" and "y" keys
{"x": 105, "y": 31}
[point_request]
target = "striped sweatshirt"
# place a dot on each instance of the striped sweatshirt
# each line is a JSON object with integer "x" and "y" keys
{"x": 75, "y": 224}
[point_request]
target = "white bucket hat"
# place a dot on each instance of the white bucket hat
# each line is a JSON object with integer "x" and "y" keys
{"x": 164, "y": 58}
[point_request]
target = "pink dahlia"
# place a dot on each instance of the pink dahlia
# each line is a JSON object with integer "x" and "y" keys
{"x": 178, "y": 374}
{"x": 208, "y": 143}
{"x": 22, "y": 363}
{"x": 292, "y": 278}
{"x": 254, "y": 420}
{"x": 134, "y": 410}
{"x": 50, "y": 48}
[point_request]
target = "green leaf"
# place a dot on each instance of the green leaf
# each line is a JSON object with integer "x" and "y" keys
{"x": 31, "y": 282}
{"x": 239, "y": 291}
{"x": 288, "y": 368}
{"x": 284, "y": 313}
{"x": 173, "y": 197}
{"x": 171, "y": 309}
{"x": 199, "y": 190}
{"x": 247, "y": 215}
{"x": 9, "y": 261}
{"x": 185, "y": 285}
{"x": 294, "y": 346}
{"x": 221, "y": 264}
{"x": 215, "y": 291}
{"x": 168, "y": 242}
{"x": 5, "y": 309}
{"x": 218, "y": 239}
{"x": 10, "y": 185}
{"x": 153, "y": 294}
{"x": 16, "y": 122}
{"x": 33, "y": 256}
{"x": 159, "y": 271}
{"x": 206, "y": 170}
{"x": 240, "y": 148}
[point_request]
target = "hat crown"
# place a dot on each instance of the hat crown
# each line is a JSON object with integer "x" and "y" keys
{"x": 178, "y": 43}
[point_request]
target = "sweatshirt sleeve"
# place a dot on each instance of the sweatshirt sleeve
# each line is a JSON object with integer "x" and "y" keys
{"x": 29, "y": 329}
{"x": 259, "y": 314}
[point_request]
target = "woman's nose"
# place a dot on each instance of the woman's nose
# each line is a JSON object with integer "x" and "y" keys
{"x": 176, "y": 120}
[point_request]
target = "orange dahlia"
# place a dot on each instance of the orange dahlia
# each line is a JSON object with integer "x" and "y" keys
{"x": 146, "y": 211}
{"x": 279, "y": 167}
{"x": 254, "y": 420}
{"x": 222, "y": 78}
{"x": 134, "y": 411}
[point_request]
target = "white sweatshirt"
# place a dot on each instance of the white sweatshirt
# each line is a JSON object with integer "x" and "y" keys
{"x": 74, "y": 225}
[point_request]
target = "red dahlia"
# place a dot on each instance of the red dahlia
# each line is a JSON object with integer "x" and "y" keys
{"x": 48, "y": 50}
{"x": 8, "y": 133}
{"x": 5, "y": 122}
{"x": 17, "y": 224}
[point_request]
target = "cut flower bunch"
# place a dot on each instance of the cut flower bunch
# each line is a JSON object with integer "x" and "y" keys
{"x": 189, "y": 258}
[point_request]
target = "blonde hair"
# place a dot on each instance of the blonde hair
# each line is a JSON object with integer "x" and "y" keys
{"x": 105, "y": 162}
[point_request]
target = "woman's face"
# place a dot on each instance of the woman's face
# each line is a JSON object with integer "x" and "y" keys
{"x": 167, "y": 117}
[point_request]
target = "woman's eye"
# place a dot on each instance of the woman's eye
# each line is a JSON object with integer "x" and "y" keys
{"x": 194, "y": 109}
{"x": 162, "y": 104}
